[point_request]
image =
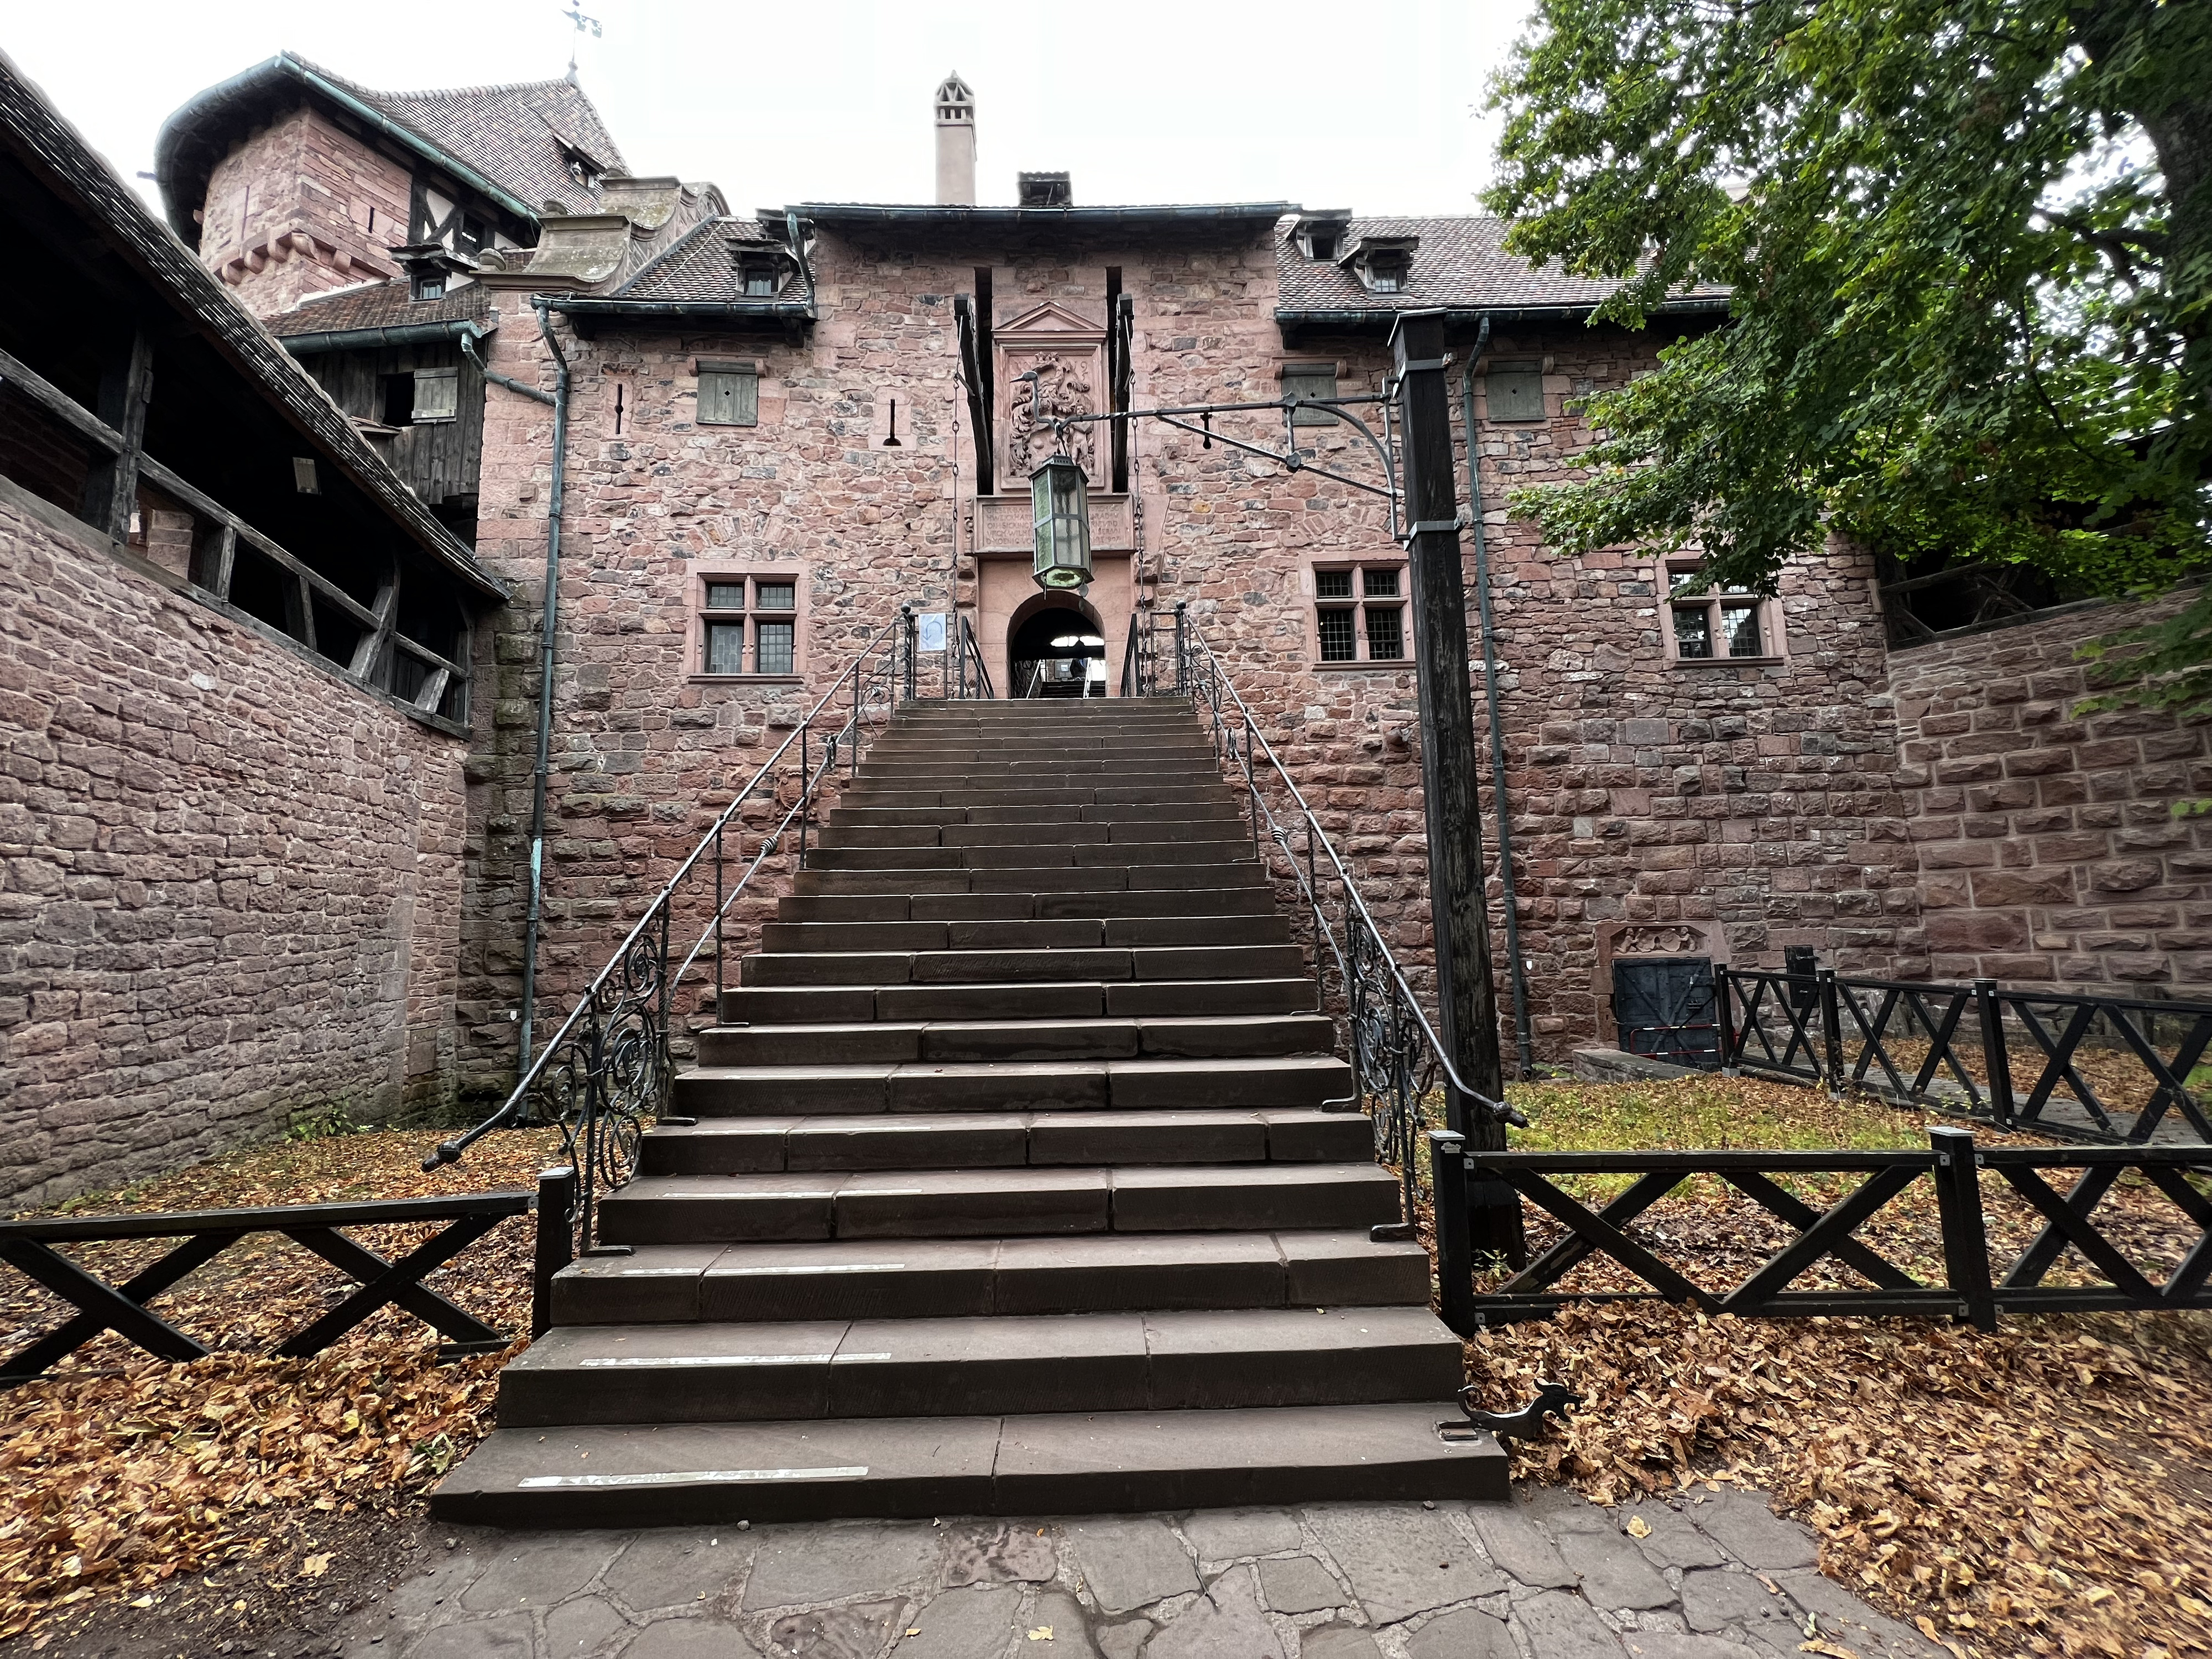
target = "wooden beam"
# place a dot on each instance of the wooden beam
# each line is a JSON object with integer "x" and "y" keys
{"x": 50, "y": 398}
{"x": 111, "y": 483}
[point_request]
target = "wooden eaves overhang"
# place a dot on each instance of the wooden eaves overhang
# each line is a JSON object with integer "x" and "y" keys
{"x": 168, "y": 281}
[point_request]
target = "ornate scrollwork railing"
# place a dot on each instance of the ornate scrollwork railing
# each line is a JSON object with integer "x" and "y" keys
{"x": 1398, "y": 1062}
{"x": 606, "y": 1073}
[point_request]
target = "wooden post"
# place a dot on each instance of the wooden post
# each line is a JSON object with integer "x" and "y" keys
{"x": 1459, "y": 904}
{"x": 1965, "y": 1240}
{"x": 1455, "y": 1256}
{"x": 111, "y": 483}
{"x": 1997, "y": 1062}
{"x": 557, "y": 1242}
{"x": 1831, "y": 1033}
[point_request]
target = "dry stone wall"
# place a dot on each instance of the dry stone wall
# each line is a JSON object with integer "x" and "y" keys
{"x": 2049, "y": 845}
{"x": 229, "y": 884}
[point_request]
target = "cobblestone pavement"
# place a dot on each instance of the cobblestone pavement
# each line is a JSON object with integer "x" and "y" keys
{"x": 1549, "y": 1576}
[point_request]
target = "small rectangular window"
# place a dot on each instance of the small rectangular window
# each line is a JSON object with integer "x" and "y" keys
{"x": 1739, "y": 627}
{"x": 1693, "y": 631}
{"x": 398, "y": 399}
{"x": 428, "y": 287}
{"x": 1718, "y": 623}
{"x": 775, "y": 596}
{"x": 726, "y": 648}
{"x": 729, "y": 397}
{"x": 1339, "y": 643}
{"x": 725, "y": 596}
{"x": 303, "y": 476}
{"x": 437, "y": 394}
{"x": 1332, "y": 584}
{"x": 1515, "y": 391}
{"x": 1385, "y": 635}
{"x": 773, "y": 644}
{"x": 1310, "y": 380}
{"x": 1379, "y": 584}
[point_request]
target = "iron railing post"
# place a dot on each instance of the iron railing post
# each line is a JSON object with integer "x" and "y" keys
{"x": 1724, "y": 1013}
{"x": 1995, "y": 1062}
{"x": 717, "y": 920}
{"x": 1448, "y": 1176}
{"x": 857, "y": 678}
{"x": 805, "y": 789}
{"x": 1251, "y": 785}
{"x": 1832, "y": 1032}
{"x": 556, "y": 1244}
{"x": 1966, "y": 1242}
{"x": 907, "y": 641}
{"x": 1182, "y": 647}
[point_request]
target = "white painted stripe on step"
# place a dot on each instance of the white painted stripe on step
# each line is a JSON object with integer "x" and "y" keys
{"x": 684, "y": 1477}
{"x": 721, "y": 1359}
{"x": 825, "y": 1267}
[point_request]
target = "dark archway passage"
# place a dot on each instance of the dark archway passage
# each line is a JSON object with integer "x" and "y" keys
{"x": 1055, "y": 648}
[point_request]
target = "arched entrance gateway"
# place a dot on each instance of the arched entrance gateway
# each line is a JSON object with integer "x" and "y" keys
{"x": 1055, "y": 648}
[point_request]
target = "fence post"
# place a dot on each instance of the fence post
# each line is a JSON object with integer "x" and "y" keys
{"x": 1724, "y": 1012}
{"x": 1965, "y": 1245}
{"x": 1831, "y": 1033}
{"x": 557, "y": 1242}
{"x": 1995, "y": 1062}
{"x": 1455, "y": 1244}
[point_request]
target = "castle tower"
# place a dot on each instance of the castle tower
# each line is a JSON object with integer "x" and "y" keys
{"x": 955, "y": 143}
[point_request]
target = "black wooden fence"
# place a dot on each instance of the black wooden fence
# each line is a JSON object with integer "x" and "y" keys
{"x": 33, "y": 1247}
{"x": 1970, "y": 1285}
{"x": 2094, "y": 1068}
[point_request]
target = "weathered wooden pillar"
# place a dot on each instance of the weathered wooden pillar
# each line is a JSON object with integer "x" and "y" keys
{"x": 111, "y": 483}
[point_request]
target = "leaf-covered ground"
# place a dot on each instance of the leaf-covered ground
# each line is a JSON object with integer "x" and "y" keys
{"x": 2044, "y": 1490}
{"x": 220, "y": 1493}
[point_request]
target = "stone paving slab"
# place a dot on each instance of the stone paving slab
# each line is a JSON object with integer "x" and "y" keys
{"x": 1705, "y": 1575}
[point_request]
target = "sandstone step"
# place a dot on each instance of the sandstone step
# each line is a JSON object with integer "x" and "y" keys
{"x": 1159, "y": 857}
{"x": 1157, "y": 793}
{"x": 1028, "y": 934}
{"x": 1164, "y": 1360}
{"x": 1142, "y": 835}
{"x": 1057, "y": 878}
{"x": 888, "y": 1043}
{"x": 813, "y": 1469}
{"x": 937, "y": 1278}
{"x": 833, "y": 1005}
{"x": 1003, "y": 967}
{"x": 997, "y": 1203}
{"x": 1302, "y": 1081}
{"x": 1227, "y": 808}
{"x": 970, "y": 1140}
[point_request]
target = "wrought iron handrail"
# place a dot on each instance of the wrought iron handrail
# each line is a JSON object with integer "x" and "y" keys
{"x": 971, "y": 675}
{"x": 1396, "y": 1055}
{"x": 608, "y": 1068}
{"x": 1965, "y": 1027}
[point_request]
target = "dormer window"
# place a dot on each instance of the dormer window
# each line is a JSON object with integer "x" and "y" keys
{"x": 1321, "y": 245}
{"x": 581, "y": 168}
{"x": 1384, "y": 264}
{"x": 759, "y": 275}
{"x": 430, "y": 285}
{"x": 1320, "y": 235}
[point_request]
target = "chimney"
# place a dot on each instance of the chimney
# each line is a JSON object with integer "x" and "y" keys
{"x": 955, "y": 143}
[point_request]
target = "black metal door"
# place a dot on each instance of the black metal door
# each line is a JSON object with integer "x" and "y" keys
{"x": 1664, "y": 1007}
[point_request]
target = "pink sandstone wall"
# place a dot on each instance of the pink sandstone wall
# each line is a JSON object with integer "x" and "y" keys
{"x": 229, "y": 885}
{"x": 287, "y": 213}
{"x": 2049, "y": 849}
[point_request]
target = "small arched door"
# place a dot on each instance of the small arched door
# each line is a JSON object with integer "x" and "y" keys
{"x": 1055, "y": 648}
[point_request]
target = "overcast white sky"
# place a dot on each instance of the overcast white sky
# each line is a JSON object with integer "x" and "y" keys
{"x": 1372, "y": 105}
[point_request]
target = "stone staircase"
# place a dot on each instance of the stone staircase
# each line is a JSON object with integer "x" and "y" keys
{"x": 1014, "y": 1185}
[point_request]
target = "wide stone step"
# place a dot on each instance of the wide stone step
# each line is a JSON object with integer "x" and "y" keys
{"x": 997, "y": 1203}
{"x": 1143, "y": 836}
{"x": 1158, "y": 792}
{"x": 1174, "y": 903}
{"x": 1056, "y": 878}
{"x": 1134, "y": 750}
{"x": 1227, "y": 808}
{"x": 1059, "y": 934}
{"x": 814, "y": 1468}
{"x": 1146, "y": 857}
{"x": 837, "y": 1005}
{"x": 894, "y": 1042}
{"x": 971, "y": 1140}
{"x": 1164, "y": 1360}
{"x": 981, "y": 967}
{"x": 1302, "y": 1081}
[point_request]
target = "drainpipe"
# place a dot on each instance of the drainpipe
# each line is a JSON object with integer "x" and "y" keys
{"x": 1520, "y": 974}
{"x": 546, "y": 636}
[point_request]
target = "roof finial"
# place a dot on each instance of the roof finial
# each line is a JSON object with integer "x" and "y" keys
{"x": 575, "y": 14}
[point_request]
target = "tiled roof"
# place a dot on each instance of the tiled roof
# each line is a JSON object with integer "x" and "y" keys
{"x": 378, "y": 305}
{"x": 29, "y": 125}
{"x": 512, "y": 134}
{"x": 1461, "y": 263}
{"x": 704, "y": 266}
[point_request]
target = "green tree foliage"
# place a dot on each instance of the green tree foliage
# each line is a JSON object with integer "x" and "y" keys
{"x": 1969, "y": 246}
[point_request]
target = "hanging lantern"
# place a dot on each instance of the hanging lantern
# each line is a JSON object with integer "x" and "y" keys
{"x": 1059, "y": 511}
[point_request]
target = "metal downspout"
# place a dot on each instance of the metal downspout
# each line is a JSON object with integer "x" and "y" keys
{"x": 547, "y": 634}
{"x": 1519, "y": 978}
{"x": 469, "y": 351}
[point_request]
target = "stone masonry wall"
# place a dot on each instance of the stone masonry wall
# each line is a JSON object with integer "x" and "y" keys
{"x": 2049, "y": 847}
{"x": 229, "y": 885}
{"x": 289, "y": 213}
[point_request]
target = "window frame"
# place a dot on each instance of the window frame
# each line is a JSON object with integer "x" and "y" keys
{"x": 1516, "y": 368}
{"x": 1359, "y": 603}
{"x": 1772, "y": 637}
{"x": 719, "y": 368}
{"x": 748, "y": 616}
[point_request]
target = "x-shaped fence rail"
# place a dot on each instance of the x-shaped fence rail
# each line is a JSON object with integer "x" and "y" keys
{"x": 1970, "y": 1287}
{"x": 31, "y": 1245}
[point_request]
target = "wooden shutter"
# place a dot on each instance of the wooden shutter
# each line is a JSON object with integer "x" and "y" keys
{"x": 1515, "y": 391}
{"x": 729, "y": 398}
{"x": 437, "y": 394}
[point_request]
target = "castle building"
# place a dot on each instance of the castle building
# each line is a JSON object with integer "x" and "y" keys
{"x": 783, "y": 425}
